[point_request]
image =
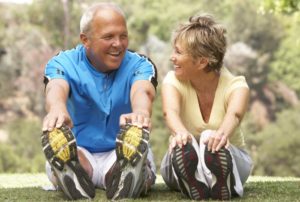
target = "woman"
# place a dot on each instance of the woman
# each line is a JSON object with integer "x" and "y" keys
{"x": 203, "y": 106}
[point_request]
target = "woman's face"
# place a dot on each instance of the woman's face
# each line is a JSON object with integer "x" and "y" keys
{"x": 184, "y": 63}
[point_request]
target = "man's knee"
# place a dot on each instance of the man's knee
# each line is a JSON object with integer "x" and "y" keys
{"x": 84, "y": 162}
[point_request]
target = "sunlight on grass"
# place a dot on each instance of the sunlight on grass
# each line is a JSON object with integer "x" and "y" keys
{"x": 40, "y": 179}
{"x": 271, "y": 179}
{"x": 28, "y": 187}
{"x": 34, "y": 180}
{"x": 23, "y": 180}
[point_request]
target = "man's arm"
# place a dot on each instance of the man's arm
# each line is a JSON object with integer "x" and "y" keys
{"x": 142, "y": 95}
{"x": 57, "y": 91}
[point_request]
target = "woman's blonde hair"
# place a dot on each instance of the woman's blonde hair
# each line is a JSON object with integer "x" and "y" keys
{"x": 202, "y": 36}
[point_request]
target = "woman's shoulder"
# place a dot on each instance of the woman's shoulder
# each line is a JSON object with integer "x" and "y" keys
{"x": 229, "y": 78}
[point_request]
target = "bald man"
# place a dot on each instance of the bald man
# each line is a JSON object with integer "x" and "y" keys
{"x": 95, "y": 89}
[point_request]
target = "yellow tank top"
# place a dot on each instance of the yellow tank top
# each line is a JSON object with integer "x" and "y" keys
{"x": 190, "y": 111}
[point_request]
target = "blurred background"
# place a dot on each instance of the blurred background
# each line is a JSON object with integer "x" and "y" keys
{"x": 263, "y": 45}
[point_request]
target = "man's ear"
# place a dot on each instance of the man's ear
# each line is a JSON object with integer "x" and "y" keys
{"x": 84, "y": 40}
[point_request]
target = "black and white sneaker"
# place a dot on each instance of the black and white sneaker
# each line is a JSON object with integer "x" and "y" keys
{"x": 128, "y": 176}
{"x": 220, "y": 165}
{"x": 185, "y": 161}
{"x": 60, "y": 150}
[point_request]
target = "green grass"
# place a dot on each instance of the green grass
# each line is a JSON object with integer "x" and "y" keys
{"x": 28, "y": 187}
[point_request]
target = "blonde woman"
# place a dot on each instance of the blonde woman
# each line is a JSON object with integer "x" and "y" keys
{"x": 203, "y": 106}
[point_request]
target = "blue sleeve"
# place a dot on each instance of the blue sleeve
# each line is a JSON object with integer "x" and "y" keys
{"x": 145, "y": 70}
{"x": 55, "y": 69}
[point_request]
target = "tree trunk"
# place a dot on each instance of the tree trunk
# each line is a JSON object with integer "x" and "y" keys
{"x": 65, "y": 4}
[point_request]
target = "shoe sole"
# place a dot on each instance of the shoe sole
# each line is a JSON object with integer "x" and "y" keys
{"x": 185, "y": 161}
{"x": 128, "y": 174}
{"x": 132, "y": 143}
{"x": 60, "y": 149}
{"x": 220, "y": 165}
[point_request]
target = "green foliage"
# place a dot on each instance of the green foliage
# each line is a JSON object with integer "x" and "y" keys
{"x": 258, "y": 31}
{"x": 276, "y": 149}
{"x": 49, "y": 15}
{"x": 23, "y": 152}
{"x": 160, "y": 134}
{"x": 285, "y": 67}
{"x": 281, "y": 6}
{"x": 8, "y": 159}
{"x": 157, "y": 19}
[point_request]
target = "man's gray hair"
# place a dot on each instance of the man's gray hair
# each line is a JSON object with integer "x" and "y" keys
{"x": 89, "y": 14}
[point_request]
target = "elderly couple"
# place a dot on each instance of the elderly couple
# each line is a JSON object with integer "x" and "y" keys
{"x": 100, "y": 88}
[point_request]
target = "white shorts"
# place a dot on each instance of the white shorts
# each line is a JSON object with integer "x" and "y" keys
{"x": 101, "y": 163}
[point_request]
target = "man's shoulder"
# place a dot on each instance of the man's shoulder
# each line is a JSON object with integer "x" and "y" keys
{"x": 68, "y": 57}
{"x": 70, "y": 53}
{"x": 138, "y": 57}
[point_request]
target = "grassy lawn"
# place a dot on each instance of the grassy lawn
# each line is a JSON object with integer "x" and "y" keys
{"x": 28, "y": 187}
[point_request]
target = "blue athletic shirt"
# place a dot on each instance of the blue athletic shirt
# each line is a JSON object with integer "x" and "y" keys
{"x": 97, "y": 99}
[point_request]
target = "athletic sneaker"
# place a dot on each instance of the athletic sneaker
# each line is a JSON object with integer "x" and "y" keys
{"x": 60, "y": 150}
{"x": 220, "y": 165}
{"x": 128, "y": 176}
{"x": 185, "y": 161}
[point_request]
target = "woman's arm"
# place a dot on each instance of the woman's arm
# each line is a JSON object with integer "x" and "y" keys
{"x": 171, "y": 109}
{"x": 237, "y": 106}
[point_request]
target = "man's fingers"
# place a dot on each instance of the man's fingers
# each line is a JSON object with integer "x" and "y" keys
{"x": 123, "y": 119}
{"x": 135, "y": 119}
{"x": 146, "y": 123}
{"x": 60, "y": 121}
{"x": 51, "y": 124}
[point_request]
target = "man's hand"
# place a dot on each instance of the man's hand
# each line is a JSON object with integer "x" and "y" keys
{"x": 141, "y": 120}
{"x": 56, "y": 118}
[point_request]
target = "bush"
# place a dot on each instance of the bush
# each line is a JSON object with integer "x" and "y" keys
{"x": 23, "y": 153}
{"x": 276, "y": 149}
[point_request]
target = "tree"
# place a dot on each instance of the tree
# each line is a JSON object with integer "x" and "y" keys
{"x": 280, "y": 6}
{"x": 276, "y": 149}
{"x": 285, "y": 67}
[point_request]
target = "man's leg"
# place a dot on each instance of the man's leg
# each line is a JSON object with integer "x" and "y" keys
{"x": 129, "y": 175}
{"x": 60, "y": 150}
{"x": 84, "y": 161}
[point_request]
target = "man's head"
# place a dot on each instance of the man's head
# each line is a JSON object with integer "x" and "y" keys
{"x": 104, "y": 35}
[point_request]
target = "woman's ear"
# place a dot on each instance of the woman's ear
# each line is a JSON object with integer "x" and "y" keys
{"x": 202, "y": 62}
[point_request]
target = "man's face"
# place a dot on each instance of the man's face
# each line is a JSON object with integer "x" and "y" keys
{"x": 107, "y": 41}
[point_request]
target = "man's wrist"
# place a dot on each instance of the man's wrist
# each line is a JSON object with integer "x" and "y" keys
{"x": 142, "y": 112}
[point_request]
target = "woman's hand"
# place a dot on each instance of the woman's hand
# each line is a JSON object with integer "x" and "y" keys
{"x": 216, "y": 141}
{"x": 180, "y": 138}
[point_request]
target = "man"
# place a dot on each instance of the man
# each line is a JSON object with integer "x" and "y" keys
{"x": 94, "y": 89}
